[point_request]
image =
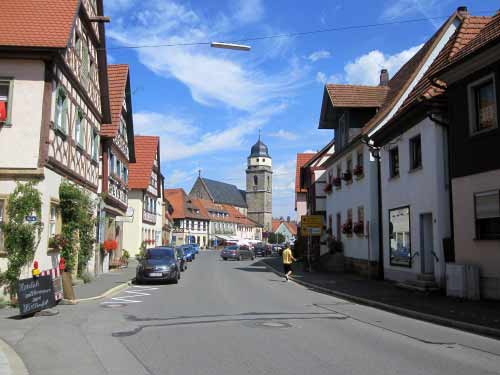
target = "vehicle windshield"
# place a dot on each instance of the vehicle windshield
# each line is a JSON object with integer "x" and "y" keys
{"x": 160, "y": 253}
{"x": 231, "y": 248}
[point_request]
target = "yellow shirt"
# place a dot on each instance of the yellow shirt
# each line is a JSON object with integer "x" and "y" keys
{"x": 287, "y": 256}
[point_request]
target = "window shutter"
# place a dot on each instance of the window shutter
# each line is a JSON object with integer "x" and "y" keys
{"x": 84, "y": 72}
{"x": 64, "y": 122}
{"x": 488, "y": 205}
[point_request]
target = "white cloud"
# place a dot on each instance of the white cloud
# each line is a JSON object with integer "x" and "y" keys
{"x": 213, "y": 76}
{"x": 365, "y": 70}
{"x": 283, "y": 134}
{"x": 249, "y": 11}
{"x": 321, "y": 77}
{"x": 177, "y": 177}
{"x": 403, "y": 8}
{"x": 180, "y": 139}
{"x": 309, "y": 151}
{"x": 318, "y": 55}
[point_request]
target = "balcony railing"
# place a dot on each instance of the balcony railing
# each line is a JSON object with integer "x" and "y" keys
{"x": 149, "y": 216}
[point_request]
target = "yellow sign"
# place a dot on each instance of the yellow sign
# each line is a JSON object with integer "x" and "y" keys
{"x": 311, "y": 225}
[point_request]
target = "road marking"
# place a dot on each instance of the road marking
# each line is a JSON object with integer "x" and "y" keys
{"x": 136, "y": 291}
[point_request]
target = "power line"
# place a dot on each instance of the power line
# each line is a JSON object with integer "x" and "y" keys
{"x": 294, "y": 34}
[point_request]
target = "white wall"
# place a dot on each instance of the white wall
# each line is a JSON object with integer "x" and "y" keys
{"x": 301, "y": 206}
{"x": 132, "y": 232}
{"x": 20, "y": 144}
{"x": 424, "y": 190}
{"x": 362, "y": 192}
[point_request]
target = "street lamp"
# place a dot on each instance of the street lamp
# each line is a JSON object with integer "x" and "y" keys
{"x": 238, "y": 47}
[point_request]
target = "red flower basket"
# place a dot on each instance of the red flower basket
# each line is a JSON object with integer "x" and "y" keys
{"x": 110, "y": 245}
{"x": 358, "y": 170}
{"x": 359, "y": 228}
{"x": 347, "y": 228}
{"x": 347, "y": 176}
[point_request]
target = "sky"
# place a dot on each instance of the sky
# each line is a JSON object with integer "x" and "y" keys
{"x": 208, "y": 105}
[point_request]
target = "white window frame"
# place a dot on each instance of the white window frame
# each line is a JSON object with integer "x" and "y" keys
{"x": 471, "y": 87}
{"x": 10, "y": 82}
{"x": 61, "y": 123}
{"x": 52, "y": 220}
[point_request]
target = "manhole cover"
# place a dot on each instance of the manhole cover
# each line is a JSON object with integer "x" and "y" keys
{"x": 272, "y": 324}
{"x": 113, "y": 305}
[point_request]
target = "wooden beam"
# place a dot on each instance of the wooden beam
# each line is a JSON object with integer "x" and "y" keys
{"x": 104, "y": 19}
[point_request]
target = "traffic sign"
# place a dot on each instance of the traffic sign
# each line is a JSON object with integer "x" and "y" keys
{"x": 311, "y": 225}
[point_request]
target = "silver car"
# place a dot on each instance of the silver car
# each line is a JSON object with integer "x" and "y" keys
{"x": 237, "y": 252}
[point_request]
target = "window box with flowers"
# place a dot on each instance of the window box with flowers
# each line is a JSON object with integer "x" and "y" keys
{"x": 328, "y": 188}
{"x": 359, "y": 228}
{"x": 337, "y": 182}
{"x": 347, "y": 176}
{"x": 358, "y": 172}
{"x": 347, "y": 228}
{"x": 109, "y": 245}
{"x": 57, "y": 242}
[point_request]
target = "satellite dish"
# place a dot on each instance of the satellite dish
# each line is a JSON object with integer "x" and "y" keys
{"x": 130, "y": 212}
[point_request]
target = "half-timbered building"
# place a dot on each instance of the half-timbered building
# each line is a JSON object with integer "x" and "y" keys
{"x": 117, "y": 142}
{"x": 53, "y": 85}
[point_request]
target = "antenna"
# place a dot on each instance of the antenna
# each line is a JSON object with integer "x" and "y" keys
{"x": 259, "y": 133}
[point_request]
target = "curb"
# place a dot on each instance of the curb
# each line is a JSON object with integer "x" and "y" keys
{"x": 14, "y": 363}
{"x": 463, "y": 326}
{"x": 107, "y": 293}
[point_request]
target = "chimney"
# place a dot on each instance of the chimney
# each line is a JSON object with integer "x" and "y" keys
{"x": 384, "y": 78}
{"x": 462, "y": 10}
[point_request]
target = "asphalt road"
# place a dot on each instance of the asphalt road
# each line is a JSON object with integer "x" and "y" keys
{"x": 238, "y": 318}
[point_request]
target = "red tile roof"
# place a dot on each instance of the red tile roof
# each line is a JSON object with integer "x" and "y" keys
{"x": 117, "y": 80}
{"x": 37, "y": 23}
{"x": 292, "y": 227}
{"x": 177, "y": 198}
{"x": 357, "y": 96}
{"x": 146, "y": 148}
{"x": 275, "y": 225}
{"x": 301, "y": 160}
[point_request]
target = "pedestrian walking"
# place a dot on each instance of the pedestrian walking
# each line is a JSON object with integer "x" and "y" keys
{"x": 288, "y": 259}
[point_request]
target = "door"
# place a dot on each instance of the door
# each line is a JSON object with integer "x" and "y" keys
{"x": 427, "y": 243}
{"x": 338, "y": 227}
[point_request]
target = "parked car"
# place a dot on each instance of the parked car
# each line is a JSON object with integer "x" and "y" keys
{"x": 158, "y": 264}
{"x": 188, "y": 252}
{"x": 261, "y": 250}
{"x": 196, "y": 248}
{"x": 181, "y": 258}
{"x": 237, "y": 252}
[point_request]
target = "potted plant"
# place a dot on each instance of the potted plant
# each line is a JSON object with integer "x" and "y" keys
{"x": 57, "y": 242}
{"x": 347, "y": 176}
{"x": 358, "y": 228}
{"x": 347, "y": 227}
{"x": 358, "y": 171}
{"x": 337, "y": 182}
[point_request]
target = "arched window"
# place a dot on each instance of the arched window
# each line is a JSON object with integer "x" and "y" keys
{"x": 255, "y": 180}
{"x": 268, "y": 183}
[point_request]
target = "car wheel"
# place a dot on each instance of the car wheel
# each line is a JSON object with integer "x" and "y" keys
{"x": 224, "y": 258}
{"x": 252, "y": 258}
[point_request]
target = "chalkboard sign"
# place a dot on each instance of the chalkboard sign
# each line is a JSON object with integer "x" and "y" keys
{"x": 35, "y": 294}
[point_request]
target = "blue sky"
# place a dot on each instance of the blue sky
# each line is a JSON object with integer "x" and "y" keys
{"x": 208, "y": 104}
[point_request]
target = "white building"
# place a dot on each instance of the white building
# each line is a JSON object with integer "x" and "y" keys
{"x": 145, "y": 196}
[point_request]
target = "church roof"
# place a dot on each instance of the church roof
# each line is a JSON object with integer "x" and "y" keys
{"x": 225, "y": 193}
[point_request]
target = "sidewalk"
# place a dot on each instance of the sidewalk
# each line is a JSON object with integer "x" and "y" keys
{"x": 106, "y": 281}
{"x": 474, "y": 316}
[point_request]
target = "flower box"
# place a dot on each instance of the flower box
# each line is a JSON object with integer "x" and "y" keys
{"x": 337, "y": 182}
{"x": 358, "y": 228}
{"x": 328, "y": 188}
{"x": 347, "y": 176}
{"x": 347, "y": 228}
{"x": 110, "y": 245}
{"x": 358, "y": 171}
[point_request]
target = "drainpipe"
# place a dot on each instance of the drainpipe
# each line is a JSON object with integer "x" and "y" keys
{"x": 445, "y": 125}
{"x": 376, "y": 155}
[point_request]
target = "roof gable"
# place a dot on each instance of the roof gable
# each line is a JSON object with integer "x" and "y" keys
{"x": 356, "y": 96}
{"x": 33, "y": 23}
{"x": 117, "y": 83}
{"x": 146, "y": 150}
{"x": 301, "y": 160}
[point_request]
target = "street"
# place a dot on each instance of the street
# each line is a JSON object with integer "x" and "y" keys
{"x": 239, "y": 318}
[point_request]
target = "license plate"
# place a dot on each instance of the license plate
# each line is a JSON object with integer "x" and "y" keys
{"x": 156, "y": 274}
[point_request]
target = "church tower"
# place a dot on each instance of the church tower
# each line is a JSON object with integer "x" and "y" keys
{"x": 259, "y": 193}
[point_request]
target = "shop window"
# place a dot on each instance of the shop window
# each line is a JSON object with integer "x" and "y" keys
{"x": 61, "y": 111}
{"x": 483, "y": 105}
{"x": 487, "y": 215}
{"x": 394, "y": 162}
{"x": 399, "y": 237}
{"x": 415, "y": 152}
